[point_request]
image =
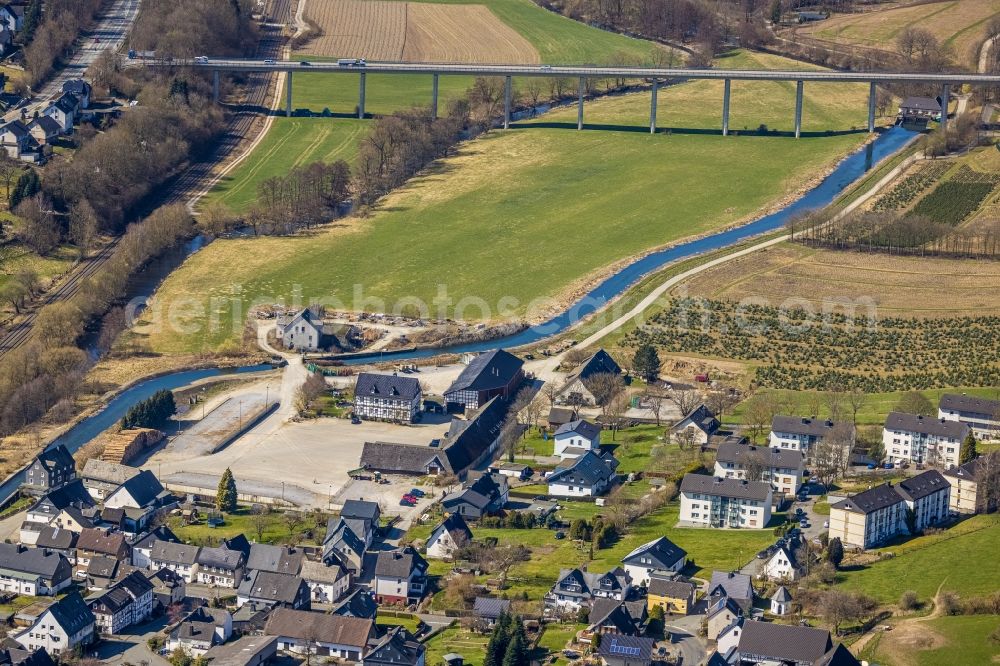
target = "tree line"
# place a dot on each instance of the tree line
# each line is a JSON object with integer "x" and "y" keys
{"x": 152, "y": 412}
{"x": 53, "y": 33}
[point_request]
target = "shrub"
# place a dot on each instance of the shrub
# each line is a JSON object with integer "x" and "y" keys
{"x": 908, "y": 601}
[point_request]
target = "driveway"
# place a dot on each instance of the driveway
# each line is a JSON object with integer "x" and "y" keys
{"x": 684, "y": 638}
{"x": 131, "y": 648}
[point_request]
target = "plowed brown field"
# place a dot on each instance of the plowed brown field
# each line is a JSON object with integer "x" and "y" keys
{"x": 416, "y": 32}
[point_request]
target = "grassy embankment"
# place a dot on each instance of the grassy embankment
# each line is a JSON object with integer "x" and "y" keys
{"x": 542, "y": 207}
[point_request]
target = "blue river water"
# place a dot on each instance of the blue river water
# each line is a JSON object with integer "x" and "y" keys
{"x": 847, "y": 172}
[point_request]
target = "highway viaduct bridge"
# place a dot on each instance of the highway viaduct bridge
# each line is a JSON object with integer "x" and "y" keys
{"x": 582, "y": 73}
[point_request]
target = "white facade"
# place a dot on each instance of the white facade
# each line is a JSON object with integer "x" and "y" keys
{"x": 575, "y": 440}
{"x": 441, "y": 545}
{"x": 780, "y": 566}
{"x": 186, "y": 571}
{"x": 787, "y": 480}
{"x": 640, "y": 574}
{"x": 46, "y": 633}
{"x": 716, "y": 510}
{"x": 909, "y": 446}
{"x": 566, "y": 490}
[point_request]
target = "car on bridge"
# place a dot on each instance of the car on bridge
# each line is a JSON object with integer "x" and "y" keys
{"x": 351, "y": 62}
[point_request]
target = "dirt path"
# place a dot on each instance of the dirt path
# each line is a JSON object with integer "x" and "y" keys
{"x": 984, "y": 54}
{"x": 907, "y": 635}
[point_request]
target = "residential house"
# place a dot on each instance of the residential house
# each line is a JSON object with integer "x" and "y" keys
{"x": 394, "y": 458}
{"x": 33, "y": 571}
{"x": 697, "y": 427}
{"x": 486, "y": 495}
{"x": 721, "y": 614}
{"x": 872, "y": 517}
{"x": 400, "y": 576}
{"x": 101, "y": 478}
{"x": 17, "y": 141}
{"x": 673, "y": 595}
{"x": 357, "y": 604}
{"x": 266, "y": 587}
{"x": 577, "y": 388}
{"x": 781, "y": 601}
{"x": 800, "y": 433}
{"x": 489, "y": 609}
{"x": 48, "y": 510}
{"x": 168, "y": 588}
{"x": 397, "y": 648}
{"x": 51, "y": 469}
{"x": 277, "y": 559}
{"x": 343, "y": 547}
{"x": 324, "y": 635}
{"x": 201, "y": 630}
{"x": 965, "y": 497}
{"x": 58, "y": 540}
{"x": 80, "y": 89}
{"x": 220, "y": 566}
{"x": 127, "y": 602}
{"x": 559, "y": 416}
{"x": 732, "y": 585}
{"x": 920, "y": 108}
{"x": 327, "y": 583}
{"x": 921, "y": 439}
{"x": 488, "y": 375}
{"x": 575, "y": 438}
{"x": 448, "y": 536}
{"x": 627, "y": 651}
{"x": 61, "y": 628}
{"x": 363, "y": 517}
{"x": 95, "y": 541}
{"x": 716, "y": 502}
{"x": 247, "y": 650}
{"x": 782, "y": 565}
{"x": 14, "y": 656}
{"x": 181, "y": 558}
{"x": 63, "y": 111}
{"x": 589, "y": 475}
{"x": 303, "y": 330}
{"x": 12, "y": 17}
{"x": 767, "y": 643}
{"x": 143, "y": 546}
{"x": 141, "y": 497}
{"x": 782, "y": 468}
{"x": 610, "y": 616}
{"x": 577, "y": 588}
{"x": 517, "y": 471}
{"x": 44, "y": 130}
{"x": 392, "y": 398}
{"x": 980, "y": 414}
{"x": 661, "y": 555}
{"x": 101, "y": 572}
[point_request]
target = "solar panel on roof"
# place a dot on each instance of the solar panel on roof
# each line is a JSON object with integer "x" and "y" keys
{"x": 624, "y": 649}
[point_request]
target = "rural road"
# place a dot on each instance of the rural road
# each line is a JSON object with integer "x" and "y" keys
{"x": 984, "y": 54}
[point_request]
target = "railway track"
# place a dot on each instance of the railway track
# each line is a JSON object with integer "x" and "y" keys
{"x": 240, "y": 127}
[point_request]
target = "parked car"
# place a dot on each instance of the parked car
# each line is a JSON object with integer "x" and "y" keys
{"x": 304, "y": 63}
{"x": 826, "y": 524}
{"x": 406, "y": 502}
{"x": 888, "y": 466}
{"x": 871, "y": 465}
{"x": 762, "y": 555}
{"x": 560, "y": 534}
{"x": 416, "y": 492}
{"x": 804, "y": 524}
{"x": 268, "y": 61}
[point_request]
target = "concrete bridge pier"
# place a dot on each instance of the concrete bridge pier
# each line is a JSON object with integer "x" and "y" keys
{"x": 506, "y": 102}
{"x": 434, "y": 96}
{"x": 945, "y": 96}
{"x": 871, "y": 107}
{"x": 579, "y": 105}
{"x": 652, "y": 107}
{"x": 288, "y": 95}
{"x": 726, "y": 89}
{"x": 798, "y": 109}
{"x": 361, "y": 97}
{"x": 215, "y": 86}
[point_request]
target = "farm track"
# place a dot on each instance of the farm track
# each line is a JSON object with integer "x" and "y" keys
{"x": 240, "y": 129}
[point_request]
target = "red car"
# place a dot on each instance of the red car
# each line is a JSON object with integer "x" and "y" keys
{"x": 410, "y": 498}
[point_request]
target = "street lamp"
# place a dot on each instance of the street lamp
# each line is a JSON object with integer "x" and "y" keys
{"x": 241, "y": 415}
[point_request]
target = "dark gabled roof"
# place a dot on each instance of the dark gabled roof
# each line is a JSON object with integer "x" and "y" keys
{"x": 734, "y": 488}
{"x": 784, "y": 642}
{"x": 220, "y": 557}
{"x": 970, "y": 404}
{"x": 160, "y": 533}
{"x": 580, "y": 427}
{"x": 871, "y": 500}
{"x": 722, "y": 603}
{"x": 735, "y": 452}
{"x": 490, "y": 607}
{"x": 402, "y": 458}
{"x": 279, "y": 559}
{"x": 98, "y": 540}
{"x": 19, "y": 657}
{"x": 15, "y": 127}
{"x": 56, "y": 538}
{"x": 632, "y": 648}
{"x": 76, "y": 86}
{"x": 339, "y": 531}
{"x": 176, "y": 553}
{"x": 561, "y": 414}
{"x": 241, "y": 651}
{"x": 589, "y": 469}
{"x": 66, "y": 103}
{"x": 838, "y": 656}
{"x": 57, "y": 456}
{"x": 735, "y": 585}
{"x": 71, "y": 613}
{"x": 307, "y": 625}
{"x": 600, "y": 362}
{"x": 456, "y": 526}
{"x": 360, "y": 509}
{"x": 467, "y": 441}
{"x": 926, "y": 425}
{"x": 968, "y": 471}
{"x": 803, "y": 425}
{"x": 73, "y": 493}
{"x": 921, "y": 103}
{"x": 47, "y": 124}
{"x": 663, "y": 552}
{"x": 270, "y": 586}
{"x": 317, "y": 572}
{"x": 465, "y": 496}
{"x": 491, "y": 370}
{"x": 102, "y": 566}
{"x": 96, "y": 469}
{"x": 135, "y": 583}
{"x": 34, "y": 561}
{"x": 143, "y": 487}
{"x": 358, "y": 604}
{"x": 922, "y": 485}
{"x": 612, "y": 613}
{"x": 389, "y": 387}
{"x": 398, "y": 647}
{"x": 702, "y": 417}
{"x": 399, "y": 563}
{"x": 672, "y": 588}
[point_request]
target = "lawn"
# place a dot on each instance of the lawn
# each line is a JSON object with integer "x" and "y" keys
{"x": 455, "y": 639}
{"x": 545, "y": 207}
{"x": 952, "y": 640}
{"x": 412, "y": 624}
{"x": 15, "y": 256}
{"x": 960, "y": 559}
{"x": 242, "y": 521}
